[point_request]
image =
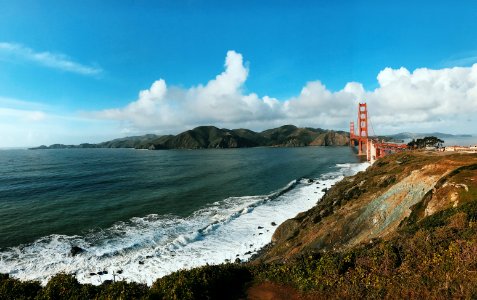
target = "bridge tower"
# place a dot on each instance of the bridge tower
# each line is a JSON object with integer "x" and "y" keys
{"x": 375, "y": 149}
{"x": 362, "y": 127}
{"x": 351, "y": 134}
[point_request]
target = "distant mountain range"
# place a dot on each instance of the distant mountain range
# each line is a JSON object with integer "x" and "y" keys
{"x": 204, "y": 137}
{"x": 411, "y": 135}
{"x": 212, "y": 137}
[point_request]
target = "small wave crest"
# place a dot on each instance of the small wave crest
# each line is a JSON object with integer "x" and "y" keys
{"x": 149, "y": 247}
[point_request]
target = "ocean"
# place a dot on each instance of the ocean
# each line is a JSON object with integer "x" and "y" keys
{"x": 140, "y": 215}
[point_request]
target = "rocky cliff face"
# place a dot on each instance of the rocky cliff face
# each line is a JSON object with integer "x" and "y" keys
{"x": 330, "y": 138}
{"x": 373, "y": 204}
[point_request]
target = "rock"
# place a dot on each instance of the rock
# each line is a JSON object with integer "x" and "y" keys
{"x": 238, "y": 260}
{"x": 248, "y": 252}
{"x": 274, "y": 224}
{"x": 286, "y": 230}
{"x": 260, "y": 227}
{"x": 324, "y": 190}
{"x": 76, "y": 250}
{"x": 106, "y": 282}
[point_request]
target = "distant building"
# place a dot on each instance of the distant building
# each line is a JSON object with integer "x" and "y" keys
{"x": 471, "y": 149}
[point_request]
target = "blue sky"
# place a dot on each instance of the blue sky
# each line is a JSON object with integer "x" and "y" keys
{"x": 70, "y": 70}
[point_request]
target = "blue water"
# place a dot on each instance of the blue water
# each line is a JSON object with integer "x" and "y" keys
{"x": 120, "y": 204}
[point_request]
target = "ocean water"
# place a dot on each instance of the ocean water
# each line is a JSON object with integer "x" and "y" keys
{"x": 140, "y": 215}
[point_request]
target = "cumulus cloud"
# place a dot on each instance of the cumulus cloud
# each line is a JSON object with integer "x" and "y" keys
{"x": 47, "y": 59}
{"x": 404, "y": 100}
{"x": 220, "y": 101}
{"x": 439, "y": 99}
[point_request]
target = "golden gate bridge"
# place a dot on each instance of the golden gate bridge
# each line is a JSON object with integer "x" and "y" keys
{"x": 372, "y": 147}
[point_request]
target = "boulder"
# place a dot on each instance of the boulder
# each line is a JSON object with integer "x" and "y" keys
{"x": 286, "y": 230}
{"x": 76, "y": 250}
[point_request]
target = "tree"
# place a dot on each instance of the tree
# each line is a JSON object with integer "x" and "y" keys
{"x": 428, "y": 141}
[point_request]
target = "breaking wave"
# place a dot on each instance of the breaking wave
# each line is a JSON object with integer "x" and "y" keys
{"x": 144, "y": 249}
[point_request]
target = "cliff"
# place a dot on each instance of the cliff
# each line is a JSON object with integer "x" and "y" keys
{"x": 373, "y": 204}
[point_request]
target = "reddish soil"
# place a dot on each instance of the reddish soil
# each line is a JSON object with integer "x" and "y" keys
{"x": 273, "y": 291}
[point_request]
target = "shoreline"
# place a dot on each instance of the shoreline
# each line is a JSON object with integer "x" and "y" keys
{"x": 194, "y": 239}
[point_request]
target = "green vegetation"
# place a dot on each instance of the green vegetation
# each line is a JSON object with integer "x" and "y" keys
{"x": 203, "y": 137}
{"x": 428, "y": 141}
{"x": 208, "y": 282}
{"x": 433, "y": 258}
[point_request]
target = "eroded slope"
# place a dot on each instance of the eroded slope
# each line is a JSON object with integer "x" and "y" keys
{"x": 373, "y": 204}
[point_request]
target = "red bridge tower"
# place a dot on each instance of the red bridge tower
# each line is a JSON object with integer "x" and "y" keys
{"x": 362, "y": 137}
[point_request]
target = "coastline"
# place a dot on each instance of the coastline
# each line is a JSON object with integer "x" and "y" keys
{"x": 393, "y": 247}
{"x": 246, "y": 217}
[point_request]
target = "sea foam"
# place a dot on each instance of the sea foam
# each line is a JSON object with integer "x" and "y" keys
{"x": 144, "y": 249}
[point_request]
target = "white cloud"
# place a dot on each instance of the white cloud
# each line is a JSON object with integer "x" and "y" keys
{"x": 220, "y": 101}
{"x": 464, "y": 59}
{"x": 21, "y": 114}
{"x": 423, "y": 100}
{"x": 47, "y": 59}
{"x": 26, "y": 124}
{"x": 441, "y": 100}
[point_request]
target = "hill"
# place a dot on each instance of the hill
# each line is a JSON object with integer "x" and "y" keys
{"x": 414, "y": 135}
{"x": 204, "y": 137}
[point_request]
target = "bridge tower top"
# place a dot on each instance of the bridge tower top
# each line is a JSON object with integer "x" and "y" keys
{"x": 363, "y": 120}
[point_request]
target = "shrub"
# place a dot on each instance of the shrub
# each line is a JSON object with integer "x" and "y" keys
{"x": 208, "y": 282}
{"x": 11, "y": 288}
{"x": 65, "y": 286}
{"x": 123, "y": 290}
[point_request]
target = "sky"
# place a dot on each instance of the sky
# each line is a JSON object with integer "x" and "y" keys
{"x": 90, "y": 71}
